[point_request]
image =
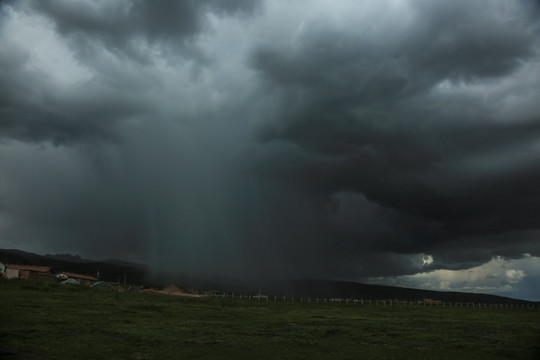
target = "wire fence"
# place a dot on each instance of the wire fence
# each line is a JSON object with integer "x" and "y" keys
{"x": 387, "y": 302}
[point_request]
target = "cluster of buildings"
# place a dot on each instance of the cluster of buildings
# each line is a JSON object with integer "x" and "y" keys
{"x": 11, "y": 271}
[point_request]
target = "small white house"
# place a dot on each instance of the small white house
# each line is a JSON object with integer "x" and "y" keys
{"x": 12, "y": 273}
{"x": 27, "y": 271}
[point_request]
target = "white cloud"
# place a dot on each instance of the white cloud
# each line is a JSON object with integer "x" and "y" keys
{"x": 427, "y": 260}
{"x": 515, "y": 275}
{"x": 498, "y": 276}
{"x": 47, "y": 53}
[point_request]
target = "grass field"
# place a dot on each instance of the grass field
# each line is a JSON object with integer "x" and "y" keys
{"x": 47, "y": 321}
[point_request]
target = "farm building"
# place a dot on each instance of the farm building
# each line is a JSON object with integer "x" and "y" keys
{"x": 28, "y": 272}
{"x": 79, "y": 277}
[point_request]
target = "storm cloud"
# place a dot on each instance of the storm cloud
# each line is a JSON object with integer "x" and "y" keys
{"x": 349, "y": 140}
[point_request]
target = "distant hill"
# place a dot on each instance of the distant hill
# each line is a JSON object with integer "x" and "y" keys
{"x": 67, "y": 257}
{"x": 19, "y": 257}
{"x": 114, "y": 270}
{"x": 343, "y": 289}
{"x": 11, "y": 257}
{"x": 140, "y": 274}
{"x": 125, "y": 263}
{"x": 108, "y": 271}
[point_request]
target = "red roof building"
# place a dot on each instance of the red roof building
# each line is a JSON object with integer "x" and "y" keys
{"x": 27, "y": 271}
{"x": 79, "y": 276}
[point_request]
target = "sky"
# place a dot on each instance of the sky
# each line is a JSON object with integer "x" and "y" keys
{"x": 390, "y": 141}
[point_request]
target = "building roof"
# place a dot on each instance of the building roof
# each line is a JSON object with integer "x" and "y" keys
{"x": 79, "y": 276}
{"x": 70, "y": 282}
{"x": 42, "y": 269}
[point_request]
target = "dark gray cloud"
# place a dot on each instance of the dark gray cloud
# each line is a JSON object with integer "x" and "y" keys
{"x": 120, "y": 27}
{"x": 35, "y": 109}
{"x": 375, "y": 109}
{"x": 344, "y": 140}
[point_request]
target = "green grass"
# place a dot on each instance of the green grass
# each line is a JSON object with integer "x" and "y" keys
{"x": 48, "y": 321}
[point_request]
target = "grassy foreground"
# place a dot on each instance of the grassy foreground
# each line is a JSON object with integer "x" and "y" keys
{"x": 47, "y": 321}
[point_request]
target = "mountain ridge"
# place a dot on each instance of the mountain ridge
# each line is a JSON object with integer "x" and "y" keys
{"x": 140, "y": 274}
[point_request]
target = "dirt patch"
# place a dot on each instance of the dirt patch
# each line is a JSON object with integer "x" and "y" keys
{"x": 176, "y": 290}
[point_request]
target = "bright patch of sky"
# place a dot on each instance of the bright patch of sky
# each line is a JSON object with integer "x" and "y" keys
{"x": 47, "y": 53}
{"x": 427, "y": 260}
{"x": 499, "y": 276}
